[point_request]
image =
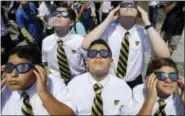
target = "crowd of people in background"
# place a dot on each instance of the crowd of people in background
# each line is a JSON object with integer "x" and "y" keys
{"x": 87, "y": 58}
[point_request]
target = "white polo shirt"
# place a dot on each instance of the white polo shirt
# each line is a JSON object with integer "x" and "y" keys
{"x": 174, "y": 106}
{"x": 11, "y": 100}
{"x": 74, "y": 53}
{"x": 139, "y": 43}
{"x": 116, "y": 95}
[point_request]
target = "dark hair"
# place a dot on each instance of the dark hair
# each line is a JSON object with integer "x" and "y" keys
{"x": 160, "y": 62}
{"x": 101, "y": 42}
{"x": 30, "y": 52}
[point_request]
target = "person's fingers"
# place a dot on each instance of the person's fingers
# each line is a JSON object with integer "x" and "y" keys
{"x": 139, "y": 8}
{"x": 155, "y": 81}
{"x": 151, "y": 80}
{"x": 115, "y": 9}
{"x": 40, "y": 71}
{"x": 37, "y": 75}
{"x": 181, "y": 79}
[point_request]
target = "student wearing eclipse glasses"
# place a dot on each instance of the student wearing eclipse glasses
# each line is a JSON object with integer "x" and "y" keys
{"x": 19, "y": 95}
{"x": 62, "y": 50}
{"x": 163, "y": 92}
{"x": 128, "y": 41}
{"x": 93, "y": 93}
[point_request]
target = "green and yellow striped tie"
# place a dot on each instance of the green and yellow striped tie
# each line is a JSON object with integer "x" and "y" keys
{"x": 97, "y": 108}
{"x": 123, "y": 57}
{"x": 26, "y": 106}
{"x": 63, "y": 63}
{"x": 160, "y": 111}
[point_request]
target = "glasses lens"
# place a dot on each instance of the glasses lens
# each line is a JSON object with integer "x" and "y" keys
{"x": 173, "y": 76}
{"x": 160, "y": 75}
{"x": 64, "y": 14}
{"x": 9, "y": 67}
{"x": 22, "y": 68}
{"x": 128, "y": 4}
{"x": 104, "y": 53}
{"x": 124, "y": 4}
{"x": 92, "y": 53}
{"x": 55, "y": 13}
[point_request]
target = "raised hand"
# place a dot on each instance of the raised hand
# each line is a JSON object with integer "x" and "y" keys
{"x": 151, "y": 88}
{"x": 144, "y": 15}
{"x": 113, "y": 15}
{"x": 180, "y": 88}
{"x": 41, "y": 79}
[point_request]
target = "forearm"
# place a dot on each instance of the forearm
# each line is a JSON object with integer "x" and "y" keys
{"x": 80, "y": 14}
{"x": 159, "y": 47}
{"x": 95, "y": 33}
{"x": 26, "y": 34}
{"x": 53, "y": 106}
{"x": 146, "y": 108}
{"x": 169, "y": 8}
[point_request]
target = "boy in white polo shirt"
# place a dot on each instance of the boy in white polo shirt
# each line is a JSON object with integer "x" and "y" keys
{"x": 163, "y": 93}
{"x": 93, "y": 93}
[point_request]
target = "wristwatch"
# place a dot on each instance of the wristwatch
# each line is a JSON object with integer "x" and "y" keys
{"x": 148, "y": 26}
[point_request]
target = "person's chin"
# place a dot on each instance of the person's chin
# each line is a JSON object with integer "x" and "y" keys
{"x": 14, "y": 87}
{"x": 168, "y": 91}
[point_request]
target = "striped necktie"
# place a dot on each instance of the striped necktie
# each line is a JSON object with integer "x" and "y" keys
{"x": 63, "y": 63}
{"x": 97, "y": 108}
{"x": 26, "y": 106}
{"x": 160, "y": 111}
{"x": 123, "y": 57}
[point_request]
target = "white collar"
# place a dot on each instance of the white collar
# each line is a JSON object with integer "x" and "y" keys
{"x": 61, "y": 38}
{"x": 103, "y": 82}
{"x": 123, "y": 31}
{"x": 31, "y": 91}
{"x": 168, "y": 99}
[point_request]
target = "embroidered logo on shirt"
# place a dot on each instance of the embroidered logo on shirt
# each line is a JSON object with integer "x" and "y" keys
{"x": 137, "y": 43}
{"x": 116, "y": 102}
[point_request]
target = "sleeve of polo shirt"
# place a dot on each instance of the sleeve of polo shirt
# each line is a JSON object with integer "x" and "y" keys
{"x": 80, "y": 29}
{"x": 41, "y": 11}
{"x": 59, "y": 88}
{"x": 44, "y": 53}
{"x": 128, "y": 99}
{"x": 137, "y": 100}
{"x": 147, "y": 43}
{"x": 70, "y": 98}
{"x": 19, "y": 19}
{"x": 108, "y": 31}
{"x": 34, "y": 8}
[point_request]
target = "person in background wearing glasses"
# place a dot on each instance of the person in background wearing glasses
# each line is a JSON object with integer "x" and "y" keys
{"x": 95, "y": 92}
{"x": 128, "y": 41}
{"x": 19, "y": 92}
{"x": 62, "y": 51}
{"x": 163, "y": 92}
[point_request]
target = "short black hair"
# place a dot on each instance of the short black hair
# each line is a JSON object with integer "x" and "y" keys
{"x": 30, "y": 52}
{"x": 157, "y": 63}
{"x": 101, "y": 42}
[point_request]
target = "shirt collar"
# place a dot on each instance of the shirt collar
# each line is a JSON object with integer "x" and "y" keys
{"x": 103, "y": 82}
{"x": 167, "y": 100}
{"x": 62, "y": 38}
{"x": 31, "y": 91}
{"x": 123, "y": 31}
